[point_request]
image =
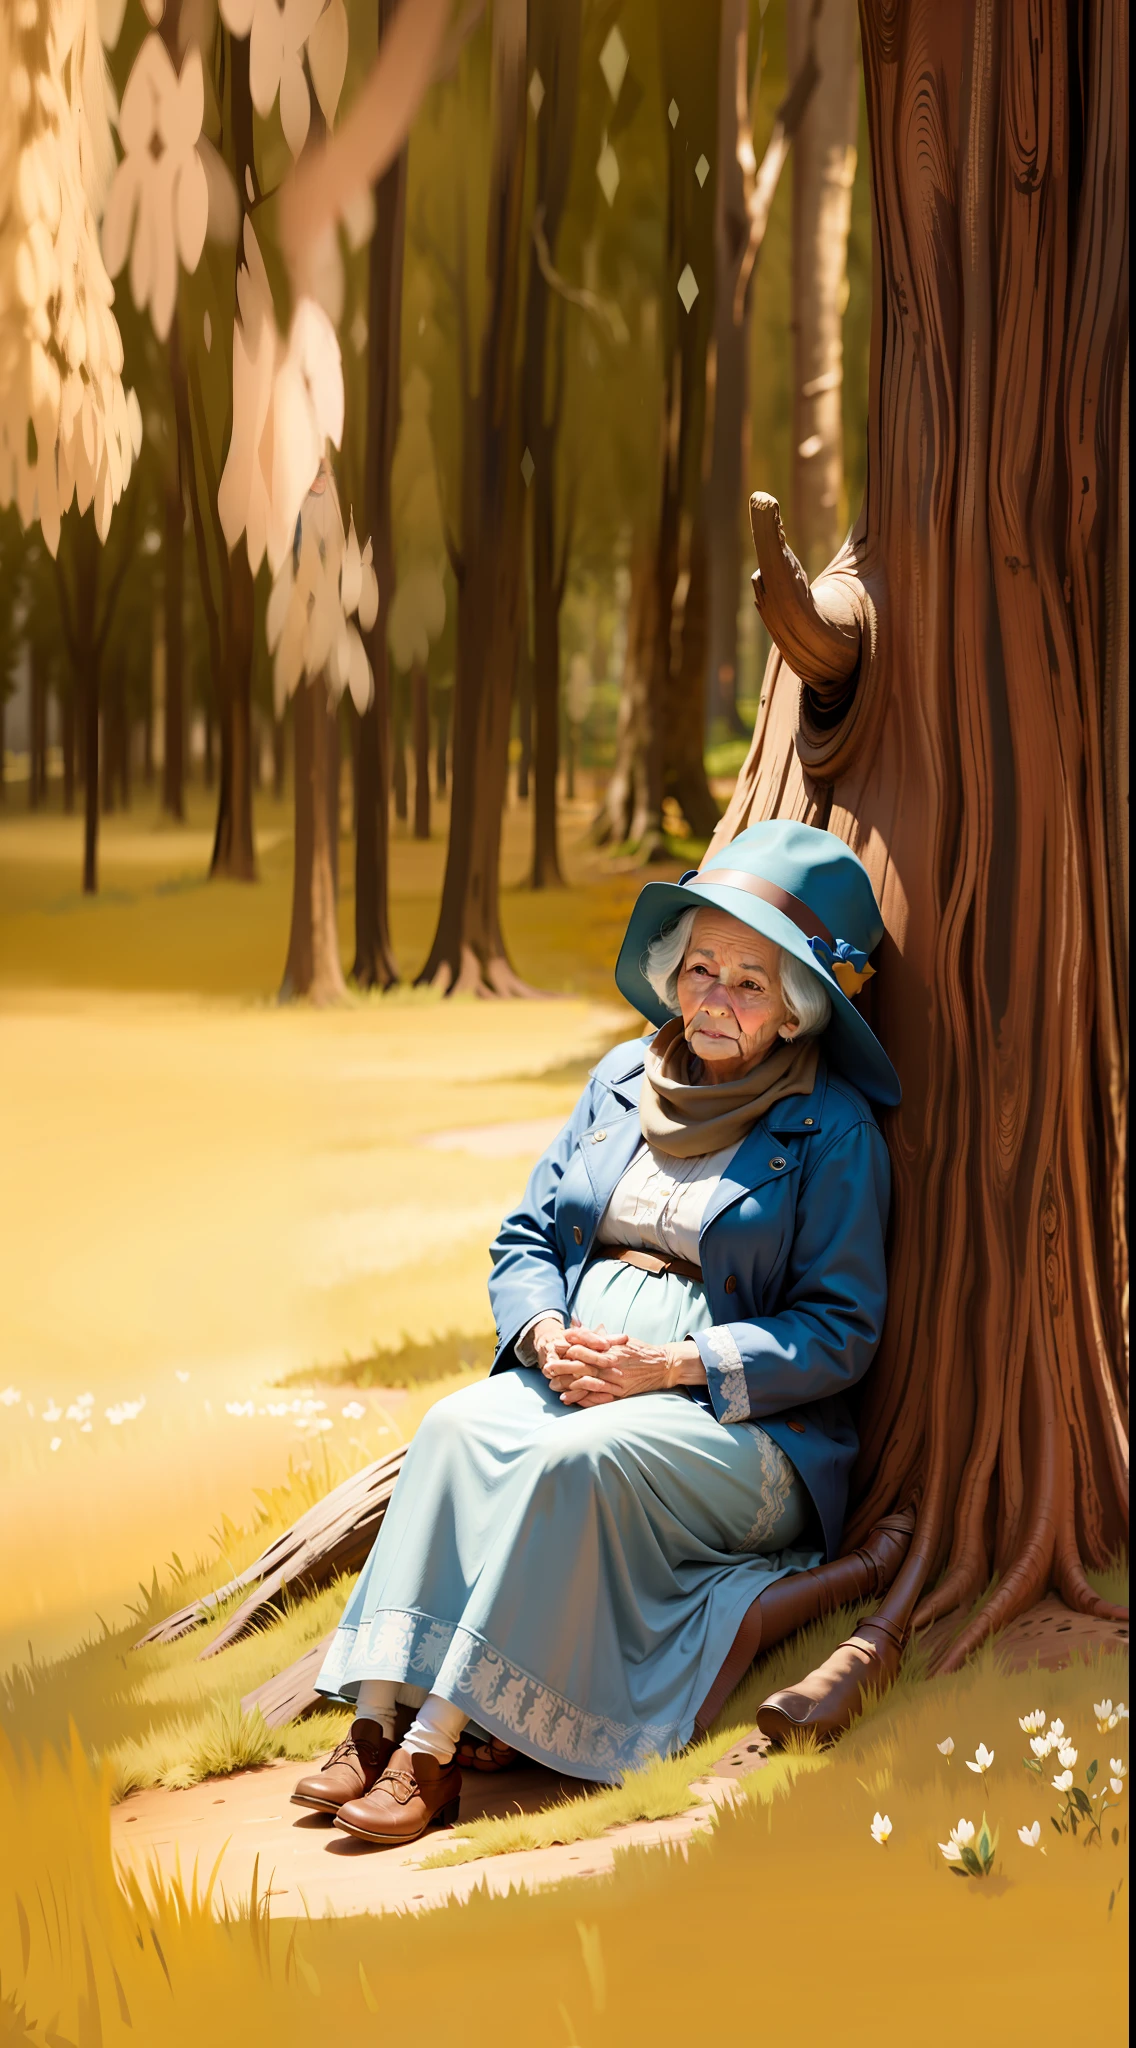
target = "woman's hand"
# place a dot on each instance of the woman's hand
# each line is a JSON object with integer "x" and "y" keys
{"x": 588, "y": 1368}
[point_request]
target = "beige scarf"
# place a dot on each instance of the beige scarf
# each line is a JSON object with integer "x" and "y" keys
{"x": 688, "y": 1118}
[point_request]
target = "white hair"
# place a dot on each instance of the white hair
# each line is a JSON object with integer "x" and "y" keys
{"x": 806, "y": 997}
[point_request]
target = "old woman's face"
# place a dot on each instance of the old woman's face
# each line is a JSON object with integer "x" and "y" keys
{"x": 729, "y": 992}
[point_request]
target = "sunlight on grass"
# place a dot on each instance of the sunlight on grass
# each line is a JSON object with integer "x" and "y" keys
{"x": 1036, "y": 1953}
{"x": 659, "y": 1789}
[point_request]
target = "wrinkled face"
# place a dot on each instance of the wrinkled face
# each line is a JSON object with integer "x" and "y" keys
{"x": 729, "y": 992}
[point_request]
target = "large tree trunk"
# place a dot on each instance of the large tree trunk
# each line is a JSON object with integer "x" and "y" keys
{"x": 948, "y": 699}
{"x": 420, "y": 696}
{"x": 375, "y": 965}
{"x": 824, "y": 167}
{"x": 555, "y": 53}
{"x": 468, "y": 950}
{"x": 313, "y": 967}
{"x": 634, "y": 792}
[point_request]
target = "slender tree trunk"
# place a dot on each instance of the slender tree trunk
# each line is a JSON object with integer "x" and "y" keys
{"x": 945, "y": 699}
{"x": 279, "y": 758}
{"x": 334, "y": 778}
{"x": 234, "y": 850}
{"x": 313, "y": 967}
{"x": 208, "y": 762}
{"x": 469, "y": 950}
{"x": 375, "y": 965}
{"x": 745, "y": 194}
{"x": 555, "y": 52}
{"x": 37, "y": 700}
{"x": 3, "y": 744}
{"x": 125, "y": 742}
{"x": 524, "y": 710}
{"x": 398, "y": 749}
{"x": 173, "y": 567}
{"x": 628, "y": 802}
{"x": 689, "y": 44}
{"x": 420, "y": 697}
{"x": 824, "y": 168}
{"x": 444, "y": 698}
{"x": 67, "y": 738}
{"x": 148, "y": 728}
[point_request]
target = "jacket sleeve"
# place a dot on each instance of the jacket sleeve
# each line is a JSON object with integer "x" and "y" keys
{"x": 824, "y": 1335}
{"x": 527, "y": 1280}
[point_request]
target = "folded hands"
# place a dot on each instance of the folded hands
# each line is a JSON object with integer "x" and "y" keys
{"x": 589, "y": 1368}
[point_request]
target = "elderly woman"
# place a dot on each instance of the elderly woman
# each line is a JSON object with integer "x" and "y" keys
{"x": 693, "y": 1280}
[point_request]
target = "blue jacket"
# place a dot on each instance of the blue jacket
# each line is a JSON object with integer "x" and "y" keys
{"x": 791, "y": 1248}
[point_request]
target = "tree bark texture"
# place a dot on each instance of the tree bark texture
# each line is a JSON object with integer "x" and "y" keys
{"x": 37, "y": 723}
{"x": 824, "y": 168}
{"x": 313, "y": 967}
{"x": 468, "y": 952}
{"x": 949, "y": 697}
{"x": 375, "y": 965}
{"x": 554, "y": 35}
{"x": 67, "y": 739}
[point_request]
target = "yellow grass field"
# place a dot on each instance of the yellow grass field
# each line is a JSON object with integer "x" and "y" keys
{"x": 205, "y": 1196}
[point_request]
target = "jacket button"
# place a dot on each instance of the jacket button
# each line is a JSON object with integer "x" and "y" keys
{"x": 778, "y": 1164}
{"x": 577, "y": 1233}
{"x": 809, "y": 1123}
{"x": 731, "y": 1283}
{"x": 599, "y": 1137}
{"x": 797, "y": 1427}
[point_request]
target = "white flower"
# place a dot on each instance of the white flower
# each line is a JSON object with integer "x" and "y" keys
{"x": 983, "y": 1758}
{"x": 962, "y": 1835}
{"x": 1118, "y": 1769}
{"x": 1030, "y": 1836}
{"x": 52, "y": 1412}
{"x": 1039, "y": 1745}
{"x": 124, "y": 1411}
{"x": 881, "y": 1829}
{"x": 1117, "y": 1785}
{"x": 1057, "y": 1728}
{"x": 10, "y": 1397}
{"x": 353, "y": 1411}
{"x": 946, "y": 1748}
{"x": 1063, "y": 1782}
{"x": 240, "y": 1408}
{"x": 158, "y": 207}
{"x": 1121, "y": 1711}
{"x": 1032, "y": 1724}
{"x": 181, "y": 1376}
{"x": 1103, "y": 1710}
{"x": 1066, "y": 1756}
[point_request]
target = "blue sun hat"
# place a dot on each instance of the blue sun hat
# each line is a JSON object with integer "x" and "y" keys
{"x": 805, "y": 890}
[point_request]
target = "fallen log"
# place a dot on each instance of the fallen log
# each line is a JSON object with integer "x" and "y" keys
{"x": 332, "y": 1537}
{"x": 292, "y": 1693}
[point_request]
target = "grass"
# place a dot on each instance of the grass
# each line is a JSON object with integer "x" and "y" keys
{"x": 412, "y": 1364}
{"x": 161, "y": 1716}
{"x": 770, "y": 1921}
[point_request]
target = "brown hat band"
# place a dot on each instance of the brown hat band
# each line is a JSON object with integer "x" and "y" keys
{"x": 798, "y": 913}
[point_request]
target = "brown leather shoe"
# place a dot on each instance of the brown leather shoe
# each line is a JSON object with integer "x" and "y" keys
{"x": 413, "y": 1794}
{"x": 350, "y": 1770}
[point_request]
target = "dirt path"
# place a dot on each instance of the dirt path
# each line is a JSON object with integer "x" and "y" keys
{"x": 310, "y": 1866}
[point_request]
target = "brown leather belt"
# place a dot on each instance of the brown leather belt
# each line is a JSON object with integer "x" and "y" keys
{"x": 652, "y": 1262}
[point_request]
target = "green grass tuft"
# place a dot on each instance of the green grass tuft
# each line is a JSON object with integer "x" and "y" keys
{"x": 413, "y": 1364}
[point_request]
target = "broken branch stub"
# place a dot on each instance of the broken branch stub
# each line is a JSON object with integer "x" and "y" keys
{"x": 816, "y": 627}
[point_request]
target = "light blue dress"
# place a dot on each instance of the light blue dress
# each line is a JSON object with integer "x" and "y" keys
{"x": 573, "y": 1579}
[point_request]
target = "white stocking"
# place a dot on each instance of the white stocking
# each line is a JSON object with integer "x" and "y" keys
{"x": 436, "y": 1729}
{"x": 377, "y": 1700}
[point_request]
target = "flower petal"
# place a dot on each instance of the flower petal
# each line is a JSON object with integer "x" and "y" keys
{"x": 327, "y": 57}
